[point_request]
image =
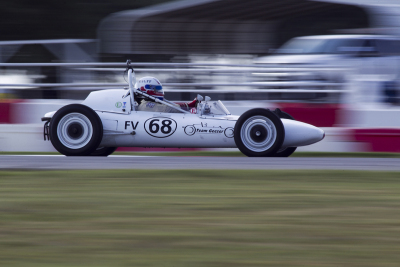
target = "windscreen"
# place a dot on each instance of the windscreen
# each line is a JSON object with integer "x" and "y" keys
{"x": 302, "y": 46}
{"x": 321, "y": 46}
{"x": 339, "y": 46}
{"x": 219, "y": 109}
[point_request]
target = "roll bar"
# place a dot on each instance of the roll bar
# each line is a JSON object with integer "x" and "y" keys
{"x": 132, "y": 91}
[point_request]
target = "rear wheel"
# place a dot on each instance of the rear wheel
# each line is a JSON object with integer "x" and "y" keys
{"x": 76, "y": 130}
{"x": 287, "y": 151}
{"x": 259, "y": 133}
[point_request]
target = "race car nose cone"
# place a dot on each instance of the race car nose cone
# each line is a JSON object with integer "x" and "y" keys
{"x": 301, "y": 134}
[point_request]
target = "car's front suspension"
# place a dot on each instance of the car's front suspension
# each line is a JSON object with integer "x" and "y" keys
{"x": 46, "y": 133}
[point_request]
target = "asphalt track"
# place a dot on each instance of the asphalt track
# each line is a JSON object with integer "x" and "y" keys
{"x": 57, "y": 162}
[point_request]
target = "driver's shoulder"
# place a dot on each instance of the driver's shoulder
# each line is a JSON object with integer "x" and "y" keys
{"x": 155, "y": 107}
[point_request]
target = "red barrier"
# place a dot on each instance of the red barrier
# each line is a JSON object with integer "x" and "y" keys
{"x": 380, "y": 140}
{"x": 320, "y": 115}
{"x": 155, "y": 149}
{"x": 6, "y": 110}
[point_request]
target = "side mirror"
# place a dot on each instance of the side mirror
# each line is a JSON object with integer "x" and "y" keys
{"x": 208, "y": 98}
{"x": 199, "y": 98}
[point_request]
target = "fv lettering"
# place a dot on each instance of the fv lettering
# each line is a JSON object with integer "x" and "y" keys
{"x": 130, "y": 123}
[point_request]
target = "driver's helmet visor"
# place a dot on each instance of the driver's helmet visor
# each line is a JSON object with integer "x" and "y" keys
{"x": 156, "y": 88}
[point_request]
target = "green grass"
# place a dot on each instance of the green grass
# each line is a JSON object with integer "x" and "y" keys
{"x": 233, "y": 154}
{"x": 199, "y": 218}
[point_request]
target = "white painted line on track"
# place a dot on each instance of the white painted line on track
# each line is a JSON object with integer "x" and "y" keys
{"x": 142, "y": 162}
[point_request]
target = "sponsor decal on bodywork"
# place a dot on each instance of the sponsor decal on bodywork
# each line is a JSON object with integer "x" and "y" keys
{"x": 150, "y": 104}
{"x": 160, "y": 127}
{"x": 118, "y": 104}
{"x": 202, "y": 128}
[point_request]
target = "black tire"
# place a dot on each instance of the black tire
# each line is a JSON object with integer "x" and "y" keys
{"x": 103, "y": 151}
{"x": 259, "y": 133}
{"x": 288, "y": 151}
{"x": 283, "y": 115}
{"x": 76, "y": 130}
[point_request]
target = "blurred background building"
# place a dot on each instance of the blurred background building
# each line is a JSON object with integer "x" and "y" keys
{"x": 220, "y": 31}
{"x": 255, "y": 51}
{"x": 222, "y": 27}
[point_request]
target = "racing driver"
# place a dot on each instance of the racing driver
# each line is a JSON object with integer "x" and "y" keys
{"x": 153, "y": 87}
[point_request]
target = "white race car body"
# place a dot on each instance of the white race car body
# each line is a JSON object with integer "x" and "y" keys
{"x": 189, "y": 130}
{"x": 182, "y": 130}
{"x": 212, "y": 126}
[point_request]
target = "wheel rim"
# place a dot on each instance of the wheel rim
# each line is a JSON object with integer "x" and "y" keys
{"x": 74, "y": 130}
{"x": 258, "y": 133}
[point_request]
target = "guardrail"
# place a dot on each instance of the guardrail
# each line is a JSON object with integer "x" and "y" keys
{"x": 255, "y": 84}
{"x": 244, "y": 78}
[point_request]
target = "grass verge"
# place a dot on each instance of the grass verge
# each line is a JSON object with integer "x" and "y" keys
{"x": 199, "y": 218}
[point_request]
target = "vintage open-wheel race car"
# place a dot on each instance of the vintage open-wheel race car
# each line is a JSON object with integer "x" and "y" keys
{"x": 109, "y": 119}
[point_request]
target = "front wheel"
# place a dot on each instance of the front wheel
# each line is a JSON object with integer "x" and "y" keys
{"x": 287, "y": 151}
{"x": 259, "y": 133}
{"x": 76, "y": 130}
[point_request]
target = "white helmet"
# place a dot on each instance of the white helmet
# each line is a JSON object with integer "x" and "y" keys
{"x": 150, "y": 86}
